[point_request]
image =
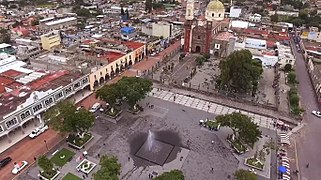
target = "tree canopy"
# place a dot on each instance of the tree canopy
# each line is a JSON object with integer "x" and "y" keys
{"x": 46, "y": 165}
{"x": 242, "y": 126}
{"x": 242, "y": 174}
{"x": 239, "y": 72}
{"x": 65, "y": 118}
{"x": 171, "y": 175}
{"x": 133, "y": 88}
{"x": 110, "y": 168}
{"x": 4, "y": 36}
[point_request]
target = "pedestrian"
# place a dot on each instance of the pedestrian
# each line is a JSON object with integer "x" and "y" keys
{"x": 83, "y": 176}
{"x": 128, "y": 158}
{"x": 148, "y": 176}
{"x": 35, "y": 158}
{"x": 212, "y": 170}
{"x": 98, "y": 155}
{"x": 308, "y": 165}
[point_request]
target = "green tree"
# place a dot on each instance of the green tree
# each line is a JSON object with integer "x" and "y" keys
{"x": 291, "y": 77}
{"x": 65, "y": 118}
{"x": 242, "y": 126}
{"x": 110, "y": 169}
{"x": 304, "y": 14}
{"x": 46, "y": 165}
{"x": 200, "y": 60}
{"x": 239, "y": 72}
{"x": 297, "y": 21}
{"x": 242, "y": 174}
{"x": 294, "y": 99}
{"x": 148, "y": 5}
{"x": 171, "y": 175}
{"x": 288, "y": 68}
{"x": 134, "y": 89}
{"x": 82, "y": 12}
{"x": 110, "y": 94}
{"x": 35, "y": 22}
{"x": 274, "y": 18}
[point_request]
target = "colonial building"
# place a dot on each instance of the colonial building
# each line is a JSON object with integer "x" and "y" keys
{"x": 199, "y": 32}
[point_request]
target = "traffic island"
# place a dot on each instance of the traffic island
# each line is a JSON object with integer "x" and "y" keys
{"x": 78, "y": 142}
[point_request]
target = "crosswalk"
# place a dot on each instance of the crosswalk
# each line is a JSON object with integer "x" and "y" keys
{"x": 207, "y": 106}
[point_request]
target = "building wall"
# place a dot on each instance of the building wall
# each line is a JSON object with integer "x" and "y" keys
{"x": 25, "y": 114}
{"x": 101, "y": 75}
{"x": 162, "y": 29}
{"x": 63, "y": 25}
{"x": 50, "y": 40}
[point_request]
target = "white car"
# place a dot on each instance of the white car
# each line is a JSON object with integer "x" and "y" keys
{"x": 36, "y": 132}
{"x": 19, "y": 166}
{"x": 317, "y": 113}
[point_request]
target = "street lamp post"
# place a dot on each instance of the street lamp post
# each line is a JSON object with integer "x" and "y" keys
{"x": 46, "y": 145}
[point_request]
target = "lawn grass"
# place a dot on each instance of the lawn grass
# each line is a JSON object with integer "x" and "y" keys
{"x": 71, "y": 176}
{"x": 48, "y": 176}
{"x": 59, "y": 161}
{"x": 254, "y": 162}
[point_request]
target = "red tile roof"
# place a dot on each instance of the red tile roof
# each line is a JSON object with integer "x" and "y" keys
{"x": 38, "y": 84}
{"x": 4, "y": 81}
{"x": 11, "y": 73}
{"x": 224, "y": 36}
{"x": 112, "y": 56}
{"x": 133, "y": 45}
{"x": 256, "y": 31}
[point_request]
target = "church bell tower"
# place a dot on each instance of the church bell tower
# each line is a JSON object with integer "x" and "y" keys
{"x": 189, "y": 17}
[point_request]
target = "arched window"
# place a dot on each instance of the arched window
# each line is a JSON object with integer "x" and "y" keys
{"x": 219, "y": 15}
{"x": 188, "y": 12}
{"x": 213, "y": 14}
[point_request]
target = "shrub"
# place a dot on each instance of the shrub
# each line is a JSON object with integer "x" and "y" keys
{"x": 288, "y": 68}
{"x": 294, "y": 100}
{"x": 292, "y": 77}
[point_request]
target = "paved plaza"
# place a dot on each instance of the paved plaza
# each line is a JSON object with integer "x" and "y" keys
{"x": 210, "y": 107}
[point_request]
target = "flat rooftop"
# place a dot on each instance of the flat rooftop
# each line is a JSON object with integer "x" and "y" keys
{"x": 59, "y": 21}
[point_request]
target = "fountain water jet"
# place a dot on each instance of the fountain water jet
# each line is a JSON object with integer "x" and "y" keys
{"x": 150, "y": 139}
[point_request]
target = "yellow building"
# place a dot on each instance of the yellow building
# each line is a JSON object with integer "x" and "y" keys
{"x": 50, "y": 40}
{"x": 117, "y": 62}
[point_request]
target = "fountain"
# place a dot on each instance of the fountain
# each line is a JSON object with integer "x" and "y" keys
{"x": 150, "y": 139}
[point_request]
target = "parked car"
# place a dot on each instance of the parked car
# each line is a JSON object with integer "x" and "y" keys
{"x": 19, "y": 166}
{"x": 95, "y": 107}
{"x": 317, "y": 113}
{"x": 36, "y": 132}
{"x": 4, "y": 162}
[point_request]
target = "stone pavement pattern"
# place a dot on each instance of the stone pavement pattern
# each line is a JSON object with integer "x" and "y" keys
{"x": 210, "y": 107}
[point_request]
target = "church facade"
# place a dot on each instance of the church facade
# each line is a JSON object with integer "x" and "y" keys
{"x": 199, "y": 32}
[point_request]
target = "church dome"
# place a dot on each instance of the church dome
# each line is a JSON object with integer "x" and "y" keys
{"x": 215, "y": 5}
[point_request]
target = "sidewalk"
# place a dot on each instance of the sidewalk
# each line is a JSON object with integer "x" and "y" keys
{"x": 229, "y": 103}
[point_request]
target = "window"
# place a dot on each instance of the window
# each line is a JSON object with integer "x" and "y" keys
{"x": 217, "y": 46}
{"x": 290, "y": 61}
{"x": 48, "y": 101}
{"x": 1, "y": 128}
{"x": 101, "y": 73}
{"x": 37, "y": 108}
{"x": 213, "y": 14}
{"x": 95, "y": 76}
{"x": 219, "y": 15}
{"x": 77, "y": 85}
{"x": 85, "y": 80}
{"x": 188, "y": 12}
{"x": 25, "y": 115}
{"x": 130, "y": 56}
{"x": 59, "y": 95}
{"x": 198, "y": 37}
{"x": 68, "y": 90}
{"x": 11, "y": 123}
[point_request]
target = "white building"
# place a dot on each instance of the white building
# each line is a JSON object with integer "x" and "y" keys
{"x": 255, "y": 18}
{"x": 235, "y": 12}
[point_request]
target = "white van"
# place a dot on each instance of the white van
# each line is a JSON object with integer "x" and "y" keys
{"x": 95, "y": 107}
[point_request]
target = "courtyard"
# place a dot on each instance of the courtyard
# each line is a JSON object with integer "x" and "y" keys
{"x": 179, "y": 142}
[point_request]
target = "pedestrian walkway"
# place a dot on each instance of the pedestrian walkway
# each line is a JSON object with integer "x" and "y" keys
{"x": 210, "y": 107}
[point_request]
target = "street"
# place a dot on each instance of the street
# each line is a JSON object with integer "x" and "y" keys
{"x": 308, "y": 143}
